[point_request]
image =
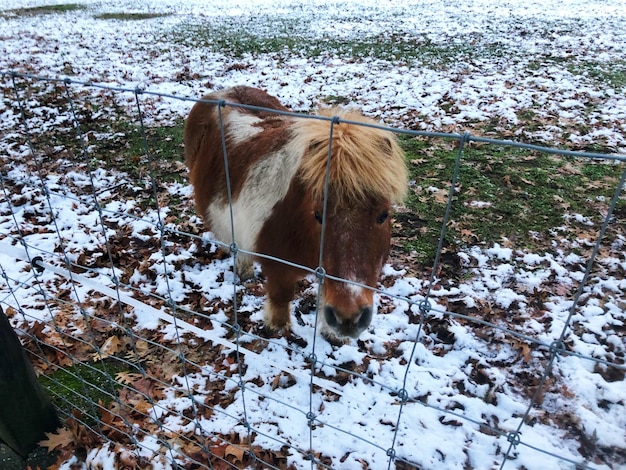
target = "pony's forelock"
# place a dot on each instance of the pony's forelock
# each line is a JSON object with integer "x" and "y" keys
{"x": 366, "y": 161}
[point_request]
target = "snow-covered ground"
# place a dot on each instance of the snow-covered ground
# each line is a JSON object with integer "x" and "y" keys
{"x": 484, "y": 60}
{"x": 531, "y": 70}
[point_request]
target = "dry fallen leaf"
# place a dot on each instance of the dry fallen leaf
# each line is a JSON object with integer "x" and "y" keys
{"x": 61, "y": 438}
{"x": 10, "y": 312}
{"x": 235, "y": 451}
{"x": 110, "y": 347}
{"x": 441, "y": 196}
{"x": 523, "y": 348}
{"x": 127, "y": 378}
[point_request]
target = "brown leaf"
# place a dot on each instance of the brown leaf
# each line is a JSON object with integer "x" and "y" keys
{"x": 523, "y": 348}
{"x": 219, "y": 451}
{"x": 148, "y": 387}
{"x": 83, "y": 436}
{"x": 234, "y": 451}
{"x": 468, "y": 235}
{"x": 127, "y": 459}
{"x": 111, "y": 421}
{"x": 61, "y": 438}
{"x": 570, "y": 169}
{"x": 101, "y": 326}
{"x": 441, "y": 196}
{"x": 110, "y": 347}
{"x": 143, "y": 407}
{"x": 10, "y": 312}
{"x": 127, "y": 378}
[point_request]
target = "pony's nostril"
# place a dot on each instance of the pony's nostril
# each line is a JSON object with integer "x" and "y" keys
{"x": 330, "y": 316}
{"x": 366, "y": 317}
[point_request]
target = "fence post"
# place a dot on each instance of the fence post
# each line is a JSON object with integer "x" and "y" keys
{"x": 26, "y": 412}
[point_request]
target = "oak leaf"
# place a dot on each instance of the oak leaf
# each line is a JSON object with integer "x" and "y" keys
{"x": 110, "y": 347}
{"x": 61, "y": 438}
{"x": 127, "y": 378}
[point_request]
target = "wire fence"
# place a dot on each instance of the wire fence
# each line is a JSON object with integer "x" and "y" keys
{"x": 149, "y": 345}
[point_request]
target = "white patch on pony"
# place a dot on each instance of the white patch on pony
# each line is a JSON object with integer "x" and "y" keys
{"x": 241, "y": 126}
{"x": 356, "y": 292}
{"x": 267, "y": 183}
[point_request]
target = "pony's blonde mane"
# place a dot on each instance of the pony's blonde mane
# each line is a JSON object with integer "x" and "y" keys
{"x": 366, "y": 161}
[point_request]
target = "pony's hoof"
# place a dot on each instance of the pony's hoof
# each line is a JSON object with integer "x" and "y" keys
{"x": 273, "y": 331}
{"x": 245, "y": 272}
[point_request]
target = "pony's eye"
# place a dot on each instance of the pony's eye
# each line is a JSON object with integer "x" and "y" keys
{"x": 382, "y": 217}
{"x": 318, "y": 217}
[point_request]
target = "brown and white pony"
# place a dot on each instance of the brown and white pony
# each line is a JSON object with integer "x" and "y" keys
{"x": 277, "y": 166}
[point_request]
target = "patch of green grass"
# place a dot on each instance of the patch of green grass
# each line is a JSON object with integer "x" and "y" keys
{"x": 502, "y": 192}
{"x": 291, "y": 36}
{"x": 130, "y": 16}
{"x": 82, "y": 385}
{"x": 336, "y": 100}
{"x": 111, "y": 139}
{"x": 129, "y": 153}
{"x": 608, "y": 74}
{"x": 611, "y": 75}
{"x": 45, "y": 10}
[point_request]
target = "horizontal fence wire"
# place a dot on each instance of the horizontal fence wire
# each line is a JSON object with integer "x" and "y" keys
{"x": 77, "y": 309}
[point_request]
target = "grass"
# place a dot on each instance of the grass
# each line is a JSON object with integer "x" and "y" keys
{"x": 605, "y": 74}
{"x": 502, "y": 193}
{"x": 130, "y": 16}
{"x": 290, "y": 37}
{"x": 44, "y": 10}
{"x": 128, "y": 153}
{"x": 612, "y": 75}
{"x": 80, "y": 386}
{"x": 113, "y": 140}
{"x": 111, "y": 136}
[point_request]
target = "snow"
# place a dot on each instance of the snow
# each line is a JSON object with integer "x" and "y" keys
{"x": 478, "y": 87}
{"x": 463, "y": 395}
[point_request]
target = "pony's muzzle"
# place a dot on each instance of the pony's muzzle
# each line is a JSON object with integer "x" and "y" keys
{"x": 348, "y": 327}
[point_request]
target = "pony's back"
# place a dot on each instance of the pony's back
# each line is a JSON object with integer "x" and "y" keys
{"x": 203, "y": 121}
{"x": 247, "y": 132}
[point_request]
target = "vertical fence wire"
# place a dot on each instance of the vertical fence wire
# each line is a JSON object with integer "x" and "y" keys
{"x": 234, "y": 249}
{"x": 320, "y": 274}
{"x": 557, "y": 346}
{"x": 425, "y": 305}
{"x": 65, "y": 259}
{"x": 96, "y": 204}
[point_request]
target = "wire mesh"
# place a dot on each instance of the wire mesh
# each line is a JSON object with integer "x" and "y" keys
{"x": 103, "y": 262}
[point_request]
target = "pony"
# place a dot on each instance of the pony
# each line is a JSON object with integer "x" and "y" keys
{"x": 277, "y": 169}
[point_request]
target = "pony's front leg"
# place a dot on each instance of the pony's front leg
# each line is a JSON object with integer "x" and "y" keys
{"x": 280, "y": 287}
